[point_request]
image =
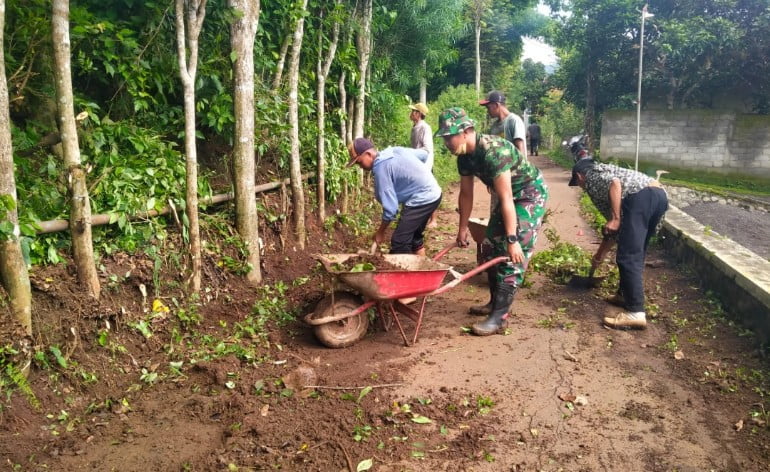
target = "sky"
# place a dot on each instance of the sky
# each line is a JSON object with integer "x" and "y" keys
{"x": 537, "y": 50}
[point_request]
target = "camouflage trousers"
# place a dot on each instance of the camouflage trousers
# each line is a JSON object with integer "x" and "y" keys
{"x": 530, "y": 209}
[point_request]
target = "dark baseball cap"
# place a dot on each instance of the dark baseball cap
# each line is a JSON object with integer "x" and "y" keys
{"x": 493, "y": 97}
{"x": 356, "y": 148}
{"x": 581, "y": 167}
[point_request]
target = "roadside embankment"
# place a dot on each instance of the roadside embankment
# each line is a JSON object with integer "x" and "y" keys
{"x": 739, "y": 277}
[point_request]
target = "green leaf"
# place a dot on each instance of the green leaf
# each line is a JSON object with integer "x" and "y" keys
{"x": 363, "y": 267}
{"x": 59, "y": 357}
{"x": 151, "y": 203}
{"x": 364, "y": 392}
{"x": 421, "y": 419}
{"x": 365, "y": 464}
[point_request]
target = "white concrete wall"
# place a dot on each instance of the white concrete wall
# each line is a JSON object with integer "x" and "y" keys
{"x": 717, "y": 141}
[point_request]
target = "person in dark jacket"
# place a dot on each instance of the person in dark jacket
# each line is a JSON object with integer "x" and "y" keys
{"x": 533, "y": 131}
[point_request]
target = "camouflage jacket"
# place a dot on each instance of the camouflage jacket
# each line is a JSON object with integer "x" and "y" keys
{"x": 494, "y": 155}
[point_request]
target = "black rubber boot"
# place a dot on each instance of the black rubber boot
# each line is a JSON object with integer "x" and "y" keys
{"x": 498, "y": 318}
{"x": 486, "y": 309}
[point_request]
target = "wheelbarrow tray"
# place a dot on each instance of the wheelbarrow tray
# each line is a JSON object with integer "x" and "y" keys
{"x": 416, "y": 276}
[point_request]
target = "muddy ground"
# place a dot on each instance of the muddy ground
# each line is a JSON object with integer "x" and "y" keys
{"x": 558, "y": 391}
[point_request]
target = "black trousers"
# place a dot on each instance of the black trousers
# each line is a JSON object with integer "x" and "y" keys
{"x": 534, "y": 143}
{"x": 641, "y": 212}
{"x": 408, "y": 236}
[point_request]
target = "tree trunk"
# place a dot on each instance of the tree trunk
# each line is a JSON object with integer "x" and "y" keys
{"x": 193, "y": 20}
{"x": 343, "y": 109}
{"x": 281, "y": 60}
{"x": 363, "y": 44}
{"x": 242, "y": 33}
{"x": 322, "y": 72}
{"x": 351, "y": 118}
{"x": 13, "y": 269}
{"x": 424, "y": 82}
{"x": 80, "y": 208}
{"x": 477, "y": 30}
{"x": 297, "y": 192}
{"x": 589, "y": 122}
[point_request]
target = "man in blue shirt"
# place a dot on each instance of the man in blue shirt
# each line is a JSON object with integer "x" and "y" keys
{"x": 401, "y": 177}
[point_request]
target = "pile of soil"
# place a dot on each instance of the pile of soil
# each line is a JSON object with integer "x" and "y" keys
{"x": 376, "y": 261}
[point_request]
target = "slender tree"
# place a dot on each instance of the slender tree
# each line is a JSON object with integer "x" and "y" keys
{"x": 364, "y": 47}
{"x": 80, "y": 206}
{"x": 281, "y": 61}
{"x": 189, "y": 19}
{"x": 477, "y": 10}
{"x": 13, "y": 269}
{"x": 243, "y": 30}
{"x": 343, "y": 107}
{"x": 323, "y": 65}
{"x": 297, "y": 192}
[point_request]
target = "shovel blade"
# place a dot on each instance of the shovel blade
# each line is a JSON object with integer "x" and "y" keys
{"x": 581, "y": 282}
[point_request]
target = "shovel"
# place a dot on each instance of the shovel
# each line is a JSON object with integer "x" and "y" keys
{"x": 580, "y": 282}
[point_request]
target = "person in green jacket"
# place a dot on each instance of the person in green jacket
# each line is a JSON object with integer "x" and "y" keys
{"x": 516, "y": 217}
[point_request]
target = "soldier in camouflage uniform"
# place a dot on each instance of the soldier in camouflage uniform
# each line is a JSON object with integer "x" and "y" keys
{"x": 516, "y": 217}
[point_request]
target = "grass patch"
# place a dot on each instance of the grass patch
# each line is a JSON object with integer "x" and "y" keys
{"x": 717, "y": 183}
{"x": 720, "y": 184}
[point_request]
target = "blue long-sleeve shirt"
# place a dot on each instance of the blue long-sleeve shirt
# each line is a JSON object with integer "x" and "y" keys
{"x": 402, "y": 177}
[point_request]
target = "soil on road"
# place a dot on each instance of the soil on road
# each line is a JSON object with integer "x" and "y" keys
{"x": 558, "y": 392}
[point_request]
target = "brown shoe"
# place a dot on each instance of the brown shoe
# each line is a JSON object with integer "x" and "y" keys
{"x": 616, "y": 300}
{"x": 626, "y": 320}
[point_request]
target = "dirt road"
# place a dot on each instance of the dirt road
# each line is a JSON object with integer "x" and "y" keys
{"x": 643, "y": 409}
{"x": 559, "y": 392}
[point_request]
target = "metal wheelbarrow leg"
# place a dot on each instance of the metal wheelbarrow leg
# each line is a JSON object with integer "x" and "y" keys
{"x": 395, "y": 308}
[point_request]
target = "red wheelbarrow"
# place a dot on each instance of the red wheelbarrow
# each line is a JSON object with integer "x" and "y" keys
{"x": 341, "y": 318}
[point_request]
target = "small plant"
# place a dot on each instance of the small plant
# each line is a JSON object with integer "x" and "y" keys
{"x": 484, "y": 404}
{"x": 11, "y": 377}
{"x": 143, "y": 327}
{"x": 361, "y": 433}
{"x": 188, "y": 315}
{"x": 673, "y": 343}
{"x": 148, "y": 377}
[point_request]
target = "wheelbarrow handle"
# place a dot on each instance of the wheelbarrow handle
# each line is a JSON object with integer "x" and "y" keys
{"x": 444, "y": 251}
{"x": 470, "y": 273}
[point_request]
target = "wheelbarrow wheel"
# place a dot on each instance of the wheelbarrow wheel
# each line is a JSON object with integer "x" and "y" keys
{"x": 344, "y": 332}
